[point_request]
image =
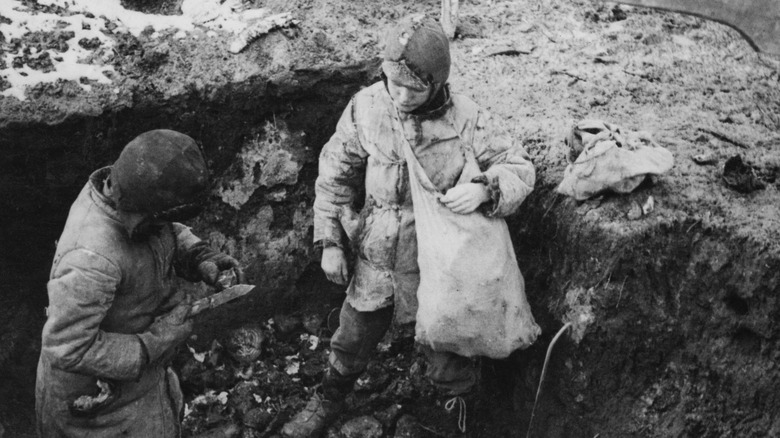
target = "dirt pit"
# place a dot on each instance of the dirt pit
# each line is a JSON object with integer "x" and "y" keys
{"x": 683, "y": 339}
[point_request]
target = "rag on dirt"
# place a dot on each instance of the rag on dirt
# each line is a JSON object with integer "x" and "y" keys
{"x": 472, "y": 295}
{"x": 604, "y": 157}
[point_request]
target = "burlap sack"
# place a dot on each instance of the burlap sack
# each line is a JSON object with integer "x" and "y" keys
{"x": 472, "y": 295}
{"x": 607, "y": 158}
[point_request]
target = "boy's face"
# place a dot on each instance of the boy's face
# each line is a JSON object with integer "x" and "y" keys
{"x": 407, "y": 97}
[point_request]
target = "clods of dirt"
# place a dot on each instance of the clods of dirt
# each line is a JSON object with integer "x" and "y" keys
{"x": 90, "y": 43}
{"x": 740, "y": 176}
{"x": 229, "y": 397}
{"x": 362, "y": 427}
{"x": 705, "y": 159}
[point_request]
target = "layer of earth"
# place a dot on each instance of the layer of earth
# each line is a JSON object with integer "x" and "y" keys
{"x": 675, "y": 310}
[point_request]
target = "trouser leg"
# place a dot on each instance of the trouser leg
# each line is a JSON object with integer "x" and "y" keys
{"x": 355, "y": 341}
{"x": 336, "y": 387}
{"x": 352, "y": 346}
{"x": 451, "y": 373}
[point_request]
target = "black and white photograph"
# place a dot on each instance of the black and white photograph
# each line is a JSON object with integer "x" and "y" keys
{"x": 389, "y": 219}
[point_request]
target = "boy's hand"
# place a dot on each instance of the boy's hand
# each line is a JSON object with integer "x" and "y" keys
{"x": 167, "y": 332}
{"x": 212, "y": 263}
{"x": 334, "y": 264}
{"x": 465, "y": 198}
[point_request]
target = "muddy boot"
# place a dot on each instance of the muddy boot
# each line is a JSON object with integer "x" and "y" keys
{"x": 313, "y": 419}
{"x": 325, "y": 406}
{"x": 451, "y": 415}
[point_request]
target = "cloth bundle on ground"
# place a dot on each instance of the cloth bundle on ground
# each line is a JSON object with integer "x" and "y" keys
{"x": 604, "y": 157}
{"x": 472, "y": 295}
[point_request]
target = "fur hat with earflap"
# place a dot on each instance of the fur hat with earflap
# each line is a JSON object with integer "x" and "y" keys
{"x": 418, "y": 45}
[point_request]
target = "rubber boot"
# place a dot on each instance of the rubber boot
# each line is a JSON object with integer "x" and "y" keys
{"x": 325, "y": 406}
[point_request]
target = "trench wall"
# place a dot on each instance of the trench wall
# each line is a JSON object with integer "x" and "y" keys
{"x": 261, "y": 140}
{"x": 683, "y": 341}
{"x": 46, "y": 165}
{"x": 684, "y": 338}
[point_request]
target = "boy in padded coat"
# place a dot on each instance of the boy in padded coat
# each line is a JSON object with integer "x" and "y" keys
{"x": 115, "y": 315}
{"x": 413, "y": 104}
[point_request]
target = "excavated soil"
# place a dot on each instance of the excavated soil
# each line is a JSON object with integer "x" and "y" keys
{"x": 675, "y": 311}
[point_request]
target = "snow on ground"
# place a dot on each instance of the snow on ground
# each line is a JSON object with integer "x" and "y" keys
{"x": 67, "y": 64}
{"x": 91, "y": 23}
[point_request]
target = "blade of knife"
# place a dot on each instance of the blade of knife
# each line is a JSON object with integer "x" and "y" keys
{"x": 220, "y": 298}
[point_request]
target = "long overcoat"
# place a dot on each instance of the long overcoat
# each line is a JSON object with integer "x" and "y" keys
{"x": 365, "y": 155}
{"x": 105, "y": 290}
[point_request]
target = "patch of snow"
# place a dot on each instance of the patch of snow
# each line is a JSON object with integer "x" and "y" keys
{"x": 228, "y": 16}
{"x": 73, "y": 64}
{"x": 24, "y": 21}
{"x": 133, "y": 21}
{"x": 261, "y": 27}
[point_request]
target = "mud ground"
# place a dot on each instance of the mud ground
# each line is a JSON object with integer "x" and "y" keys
{"x": 684, "y": 340}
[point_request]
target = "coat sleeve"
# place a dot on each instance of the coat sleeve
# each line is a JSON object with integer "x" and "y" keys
{"x": 189, "y": 248}
{"x": 341, "y": 172}
{"x": 81, "y": 291}
{"x": 507, "y": 168}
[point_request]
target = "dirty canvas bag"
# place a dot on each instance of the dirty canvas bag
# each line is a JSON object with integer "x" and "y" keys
{"x": 606, "y": 158}
{"x": 472, "y": 295}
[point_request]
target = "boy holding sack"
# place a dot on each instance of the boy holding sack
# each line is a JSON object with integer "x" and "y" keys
{"x": 439, "y": 174}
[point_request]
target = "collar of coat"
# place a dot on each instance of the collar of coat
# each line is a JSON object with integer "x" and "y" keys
{"x": 434, "y": 108}
{"x": 96, "y": 181}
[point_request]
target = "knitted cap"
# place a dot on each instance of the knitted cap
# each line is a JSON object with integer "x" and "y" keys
{"x": 158, "y": 171}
